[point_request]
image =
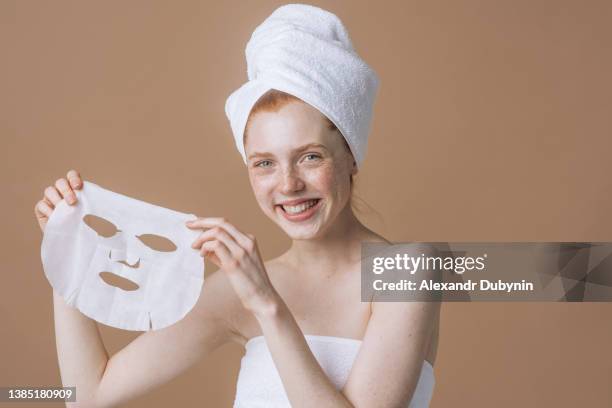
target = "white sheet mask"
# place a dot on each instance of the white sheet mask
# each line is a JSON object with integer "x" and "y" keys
{"x": 121, "y": 261}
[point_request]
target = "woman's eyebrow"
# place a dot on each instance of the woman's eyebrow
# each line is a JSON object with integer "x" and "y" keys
{"x": 296, "y": 150}
{"x": 258, "y": 154}
{"x": 309, "y": 145}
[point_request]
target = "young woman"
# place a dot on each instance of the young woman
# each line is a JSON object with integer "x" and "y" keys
{"x": 310, "y": 341}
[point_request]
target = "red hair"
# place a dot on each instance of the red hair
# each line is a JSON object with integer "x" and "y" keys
{"x": 273, "y": 100}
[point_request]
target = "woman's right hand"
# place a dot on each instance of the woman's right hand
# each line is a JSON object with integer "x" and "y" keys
{"x": 63, "y": 189}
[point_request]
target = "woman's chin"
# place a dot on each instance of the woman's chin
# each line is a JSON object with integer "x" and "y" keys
{"x": 301, "y": 235}
{"x": 295, "y": 231}
{"x": 306, "y": 231}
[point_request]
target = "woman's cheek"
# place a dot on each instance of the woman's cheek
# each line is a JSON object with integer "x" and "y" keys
{"x": 263, "y": 187}
{"x": 341, "y": 184}
{"x": 322, "y": 178}
{"x": 338, "y": 180}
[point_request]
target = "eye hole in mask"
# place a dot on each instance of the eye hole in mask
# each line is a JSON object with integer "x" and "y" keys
{"x": 102, "y": 226}
{"x": 157, "y": 242}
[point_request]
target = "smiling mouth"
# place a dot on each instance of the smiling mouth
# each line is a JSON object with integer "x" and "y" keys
{"x": 299, "y": 208}
{"x": 301, "y": 212}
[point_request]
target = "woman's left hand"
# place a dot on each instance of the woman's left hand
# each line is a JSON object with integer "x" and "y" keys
{"x": 237, "y": 255}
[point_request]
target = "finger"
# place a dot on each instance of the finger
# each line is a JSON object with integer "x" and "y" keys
{"x": 241, "y": 238}
{"x": 203, "y": 237}
{"x": 214, "y": 233}
{"x": 218, "y": 233}
{"x": 211, "y": 255}
{"x": 42, "y": 210}
{"x": 74, "y": 178}
{"x": 219, "y": 249}
{"x": 52, "y": 195}
{"x": 65, "y": 190}
{"x": 204, "y": 222}
{"x": 46, "y": 200}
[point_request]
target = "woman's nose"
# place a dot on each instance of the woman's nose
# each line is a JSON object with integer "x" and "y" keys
{"x": 291, "y": 181}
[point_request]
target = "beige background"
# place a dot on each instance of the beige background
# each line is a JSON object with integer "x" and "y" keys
{"x": 492, "y": 123}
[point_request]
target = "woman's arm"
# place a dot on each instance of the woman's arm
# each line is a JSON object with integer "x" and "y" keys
{"x": 151, "y": 359}
{"x": 305, "y": 382}
{"x": 81, "y": 354}
{"x": 388, "y": 365}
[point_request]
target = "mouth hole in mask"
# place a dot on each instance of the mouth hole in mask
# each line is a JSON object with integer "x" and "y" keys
{"x": 118, "y": 281}
{"x": 157, "y": 242}
{"x": 103, "y": 227}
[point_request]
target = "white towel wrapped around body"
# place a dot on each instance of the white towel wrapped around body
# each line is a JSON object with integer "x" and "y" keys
{"x": 306, "y": 51}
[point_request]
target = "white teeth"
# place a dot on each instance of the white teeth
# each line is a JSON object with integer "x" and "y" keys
{"x": 296, "y": 209}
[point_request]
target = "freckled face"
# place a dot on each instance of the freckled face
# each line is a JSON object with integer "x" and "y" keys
{"x": 299, "y": 169}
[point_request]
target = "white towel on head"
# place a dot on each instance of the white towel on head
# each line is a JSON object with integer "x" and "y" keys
{"x": 306, "y": 51}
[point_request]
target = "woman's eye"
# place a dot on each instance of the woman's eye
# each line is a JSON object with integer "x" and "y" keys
{"x": 313, "y": 155}
{"x": 263, "y": 163}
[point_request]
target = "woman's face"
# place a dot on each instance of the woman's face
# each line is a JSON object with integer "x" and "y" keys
{"x": 299, "y": 169}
